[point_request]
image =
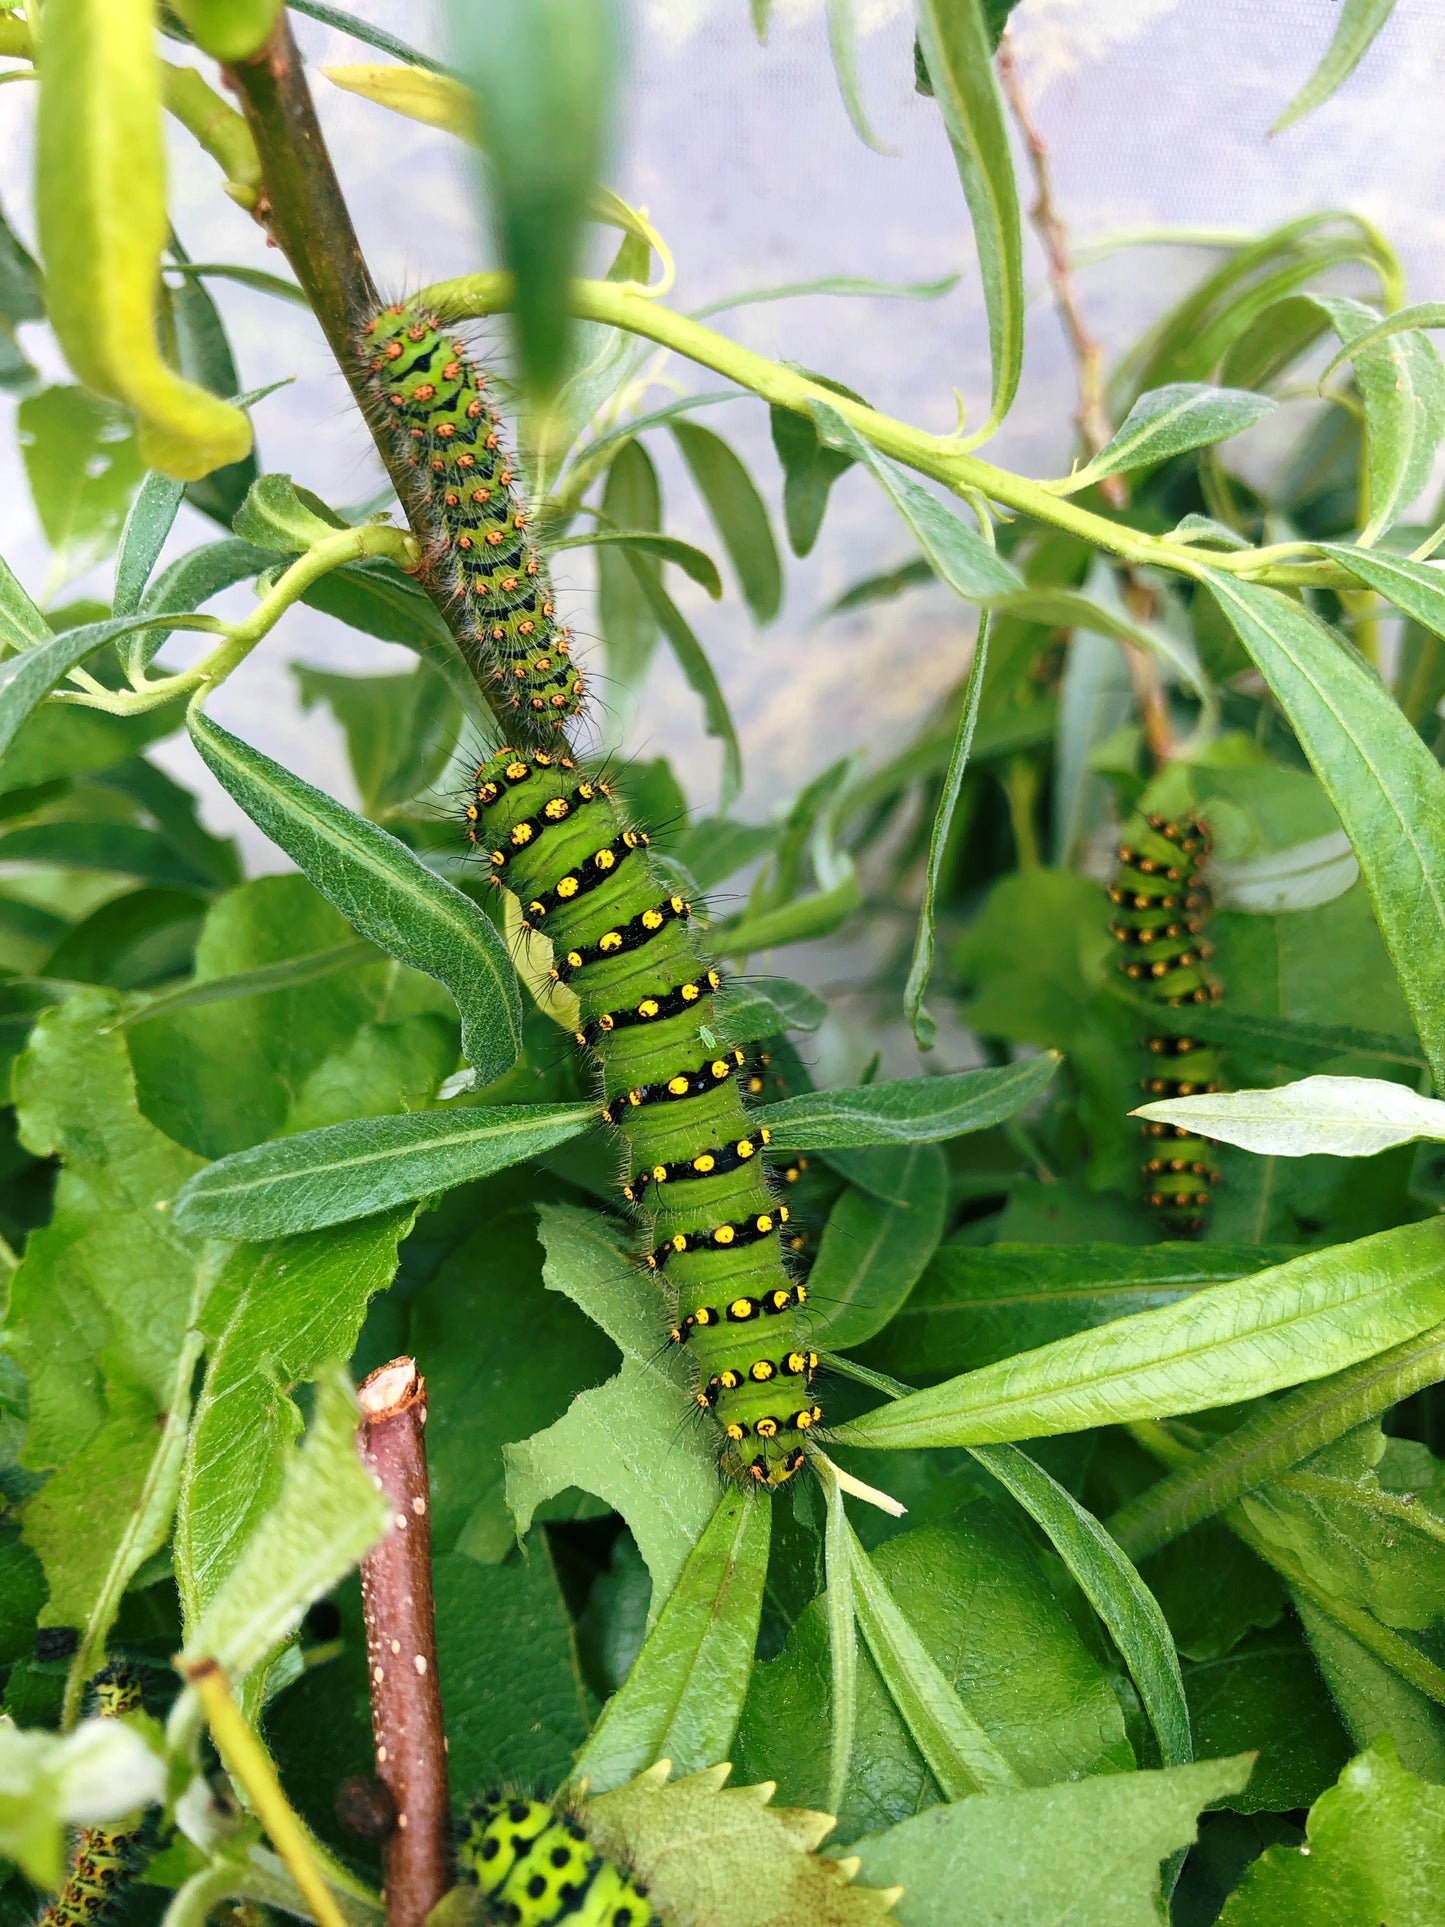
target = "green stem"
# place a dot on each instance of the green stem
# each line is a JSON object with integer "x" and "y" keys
{"x": 615, "y": 306}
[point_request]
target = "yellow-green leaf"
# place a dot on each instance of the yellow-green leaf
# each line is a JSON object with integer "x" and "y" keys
{"x": 100, "y": 205}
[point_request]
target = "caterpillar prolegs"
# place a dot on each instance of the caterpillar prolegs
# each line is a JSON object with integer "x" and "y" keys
{"x": 104, "y": 1857}
{"x": 1160, "y": 907}
{"x": 693, "y": 1159}
{"x": 535, "y": 1865}
{"x": 429, "y": 405}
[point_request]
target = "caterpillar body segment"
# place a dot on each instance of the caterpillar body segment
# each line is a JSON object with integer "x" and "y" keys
{"x": 535, "y": 1866}
{"x": 1160, "y": 908}
{"x": 429, "y": 403}
{"x": 105, "y": 1857}
{"x": 694, "y": 1166}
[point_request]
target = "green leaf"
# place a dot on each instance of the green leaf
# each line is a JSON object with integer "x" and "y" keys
{"x": 842, "y": 1645}
{"x": 745, "y": 1012}
{"x": 1113, "y": 1588}
{"x": 1063, "y": 608}
{"x": 1297, "y": 1321}
{"x": 843, "y": 45}
{"x": 1167, "y": 421}
{"x": 21, "y": 623}
{"x": 1376, "y": 1842}
{"x": 1402, "y": 386}
{"x": 961, "y": 1756}
{"x": 694, "y": 563}
{"x": 738, "y": 515}
{"x": 1385, "y": 785}
{"x": 277, "y": 515}
{"x": 697, "y": 670}
{"x": 102, "y": 1771}
{"x": 810, "y": 469}
{"x": 920, "y": 966}
{"x": 1372, "y": 1698}
{"x": 345, "y": 1171}
{"x": 27, "y": 678}
{"x": 125, "y": 850}
{"x": 543, "y": 75}
{"x": 400, "y": 730}
{"x": 327, "y": 1514}
{"x": 1088, "y": 1854}
{"x": 957, "y": 52}
{"x": 152, "y": 514}
{"x": 973, "y": 1306}
{"x": 799, "y": 921}
{"x": 384, "y": 891}
{"x": 83, "y": 466}
{"x": 1343, "y": 1117}
{"x": 918, "y": 1110}
{"x": 1422, "y": 315}
{"x": 1417, "y": 588}
{"x": 98, "y": 1315}
{"x": 873, "y": 1252}
{"x": 957, "y": 554}
{"x": 275, "y": 1314}
{"x": 1285, "y": 1039}
{"x": 1359, "y": 22}
{"x": 682, "y": 1698}
{"x": 631, "y": 499}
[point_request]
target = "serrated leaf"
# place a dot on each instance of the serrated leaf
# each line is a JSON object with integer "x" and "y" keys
{"x": 384, "y": 891}
{"x": 718, "y": 1856}
{"x": 1167, "y": 421}
{"x": 1343, "y": 1117}
{"x": 344, "y": 1171}
{"x": 681, "y": 1699}
{"x": 1297, "y": 1321}
{"x": 920, "y": 1110}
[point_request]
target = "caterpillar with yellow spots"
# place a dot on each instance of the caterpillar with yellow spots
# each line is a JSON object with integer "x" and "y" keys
{"x": 694, "y": 1169}
{"x": 428, "y": 405}
{"x": 1160, "y": 907}
{"x": 104, "y": 1857}
{"x": 535, "y": 1865}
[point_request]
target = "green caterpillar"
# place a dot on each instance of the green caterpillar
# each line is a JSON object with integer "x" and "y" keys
{"x": 534, "y": 1865}
{"x": 1161, "y": 906}
{"x": 104, "y": 1857}
{"x": 427, "y": 401}
{"x": 622, "y": 941}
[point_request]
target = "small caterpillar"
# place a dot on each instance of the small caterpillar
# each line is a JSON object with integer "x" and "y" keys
{"x": 535, "y": 1865}
{"x": 427, "y": 402}
{"x": 105, "y": 1856}
{"x": 1160, "y": 910}
{"x": 623, "y": 942}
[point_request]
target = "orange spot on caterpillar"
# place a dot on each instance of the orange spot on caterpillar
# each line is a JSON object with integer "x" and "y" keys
{"x": 491, "y": 441}
{"x": 423, "y": 391}
{"x": 474, "y": 408}
{"x": 466, "y": 461}
{"x": 481, "y": 495}
{"x": 445, "y": 431}
{"x": 393, "y": 351}
{"x": 451, "y": 371}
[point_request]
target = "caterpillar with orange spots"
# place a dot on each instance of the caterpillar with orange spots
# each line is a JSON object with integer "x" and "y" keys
{"x": 428, "y": 403}
{"x": 535, "y": 1865}
{"x": 105, "y": 1857}
{"x": 1160, "y": 907}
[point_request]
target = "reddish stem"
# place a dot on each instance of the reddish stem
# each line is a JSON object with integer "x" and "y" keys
{"x": 396, "y": 1596}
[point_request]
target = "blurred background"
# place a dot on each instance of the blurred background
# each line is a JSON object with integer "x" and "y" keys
{"x": 745, "y": 159}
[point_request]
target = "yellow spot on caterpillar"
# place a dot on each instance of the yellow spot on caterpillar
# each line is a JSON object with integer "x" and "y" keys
{"x": 677, "y": 1086}
{"x": 761, "y": 1370}
{"x": 766, "y": 1428}
{"x": 724, "y": 1235}
{"x": 736, "y": 1432}
{"x": 705, "y": 1163}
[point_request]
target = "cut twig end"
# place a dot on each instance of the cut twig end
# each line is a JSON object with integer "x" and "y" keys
{"x": 391, "y": 1389}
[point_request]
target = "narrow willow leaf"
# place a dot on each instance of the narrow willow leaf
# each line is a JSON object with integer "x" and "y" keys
{"x": 1286, "y": 1038}
{"x": 367, "y": 33}
{"x": 873, "y": 1250}
{"x": 1297, "y": 1321}
{"x": 919, "y": 1110}
{"x": 695, "y": 563}
{"x": 102, "y": 226}
{"x": 27, "y": 678}
{"x": 1341, "y": 1117}
{"x": 683, "y": 1696}
{"x": 1359, "y": 22}
{"x": 1402, "y": 386}
{"x": 1299, "y": 878}
{"x": 631, "y": 499}
{"x": 1113, "y": 1588}
{"x": 957, "y": 51}
{"x": 738, "y": 514}
{"x": 152, "y": 514}
{"x": 1387, "y": 788}
{"x": 1068, "y": 609}
{"x": 920, "y": 967}
{"x": 957, "y": 554}
{"x": 1417, "y": 588}
{"x": 368, "y": 1164}
{"x": 21, "y": 623}
{"x": 249, "y": 983}
{"x": 1167, "y": 421}
{"x": 1271, "y": 1441}
{"x": 745, "y": 1011}
{"x": 698, "y": 671}
{"x": 277, "y": 515}
{"x": 329, "y": 1513}
{"x": 383, "y": 890}
{"x": 543, "y": 72}
{"x": 838, "y": 1545}
{"x": 800, "y": 921}
{"x": 960, "y": 1754}
{"x": 843, "y": 44}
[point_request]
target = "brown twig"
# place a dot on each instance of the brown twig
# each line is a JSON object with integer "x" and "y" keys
{"x": 1092, "y": 415}
{"x": 396, "y": 1597}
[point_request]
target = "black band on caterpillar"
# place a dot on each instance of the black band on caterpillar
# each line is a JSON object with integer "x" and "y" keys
{"x": 632, "y": 935}
{"x": 105, "y": 1857}
{"x": 558, "y": 810}
{"x": 535, "y": 1866}
{"x": 1160, "y": 910}
{"x": 722, "y": 1237}
{"x": 715, "y": 1162}
{"x": 651, "y": 1010}
{"x": 599, "y": 868}
{"x": 680, "y": 1085}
